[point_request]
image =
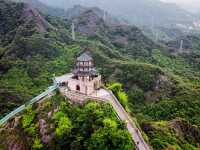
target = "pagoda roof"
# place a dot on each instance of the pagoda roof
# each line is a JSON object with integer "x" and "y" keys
{"x": 91, "y": 72}
{"x": 85, "y": 57}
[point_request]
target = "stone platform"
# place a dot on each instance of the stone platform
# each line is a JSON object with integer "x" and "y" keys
{"x": 76, "y": 97}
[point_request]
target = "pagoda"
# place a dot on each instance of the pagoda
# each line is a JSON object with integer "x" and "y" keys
{"x": 84, "y": 78}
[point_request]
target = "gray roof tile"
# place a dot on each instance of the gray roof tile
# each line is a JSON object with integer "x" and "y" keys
{"x": 84, "y": 57}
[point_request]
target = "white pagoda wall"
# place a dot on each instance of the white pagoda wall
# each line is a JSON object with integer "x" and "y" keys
{"x": 86, "y": 87}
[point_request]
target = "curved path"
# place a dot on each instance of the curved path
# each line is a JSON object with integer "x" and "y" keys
{"x": 131, "y": 126}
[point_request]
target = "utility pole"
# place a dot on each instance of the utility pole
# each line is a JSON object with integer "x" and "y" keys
{"x": 104, "y": 16}
{"x": 181, "y": 45}
{"x": 152, "y": 23}
{"x": 156, "y": 32}
{"x": 153, "y": 28}
{"x": 73, "y": 31}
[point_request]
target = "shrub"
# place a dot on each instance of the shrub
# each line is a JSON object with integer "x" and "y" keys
{"x": 64, "y": 125}
{"x": 110, "y": 123}
{"x": 58, "y": 115}
{"x": 123, "y": 98}
{"x": 136, "y": 94}
{"x": 28, "y": 118}
{"x": 37, "y": 144}
{"x": 115, "y": 87}
{"x": 31, "y": 130}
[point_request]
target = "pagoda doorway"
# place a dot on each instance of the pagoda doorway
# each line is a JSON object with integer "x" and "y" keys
{"x": 77, "y": 88}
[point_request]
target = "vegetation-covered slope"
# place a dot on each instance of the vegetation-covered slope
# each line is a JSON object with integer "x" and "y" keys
{"x": 160, "y": 86}
{"x": 56, "y": 124}
{"x": 26, "y": 53}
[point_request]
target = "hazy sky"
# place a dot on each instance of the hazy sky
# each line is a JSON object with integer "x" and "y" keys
{"x": 193, "y": 5}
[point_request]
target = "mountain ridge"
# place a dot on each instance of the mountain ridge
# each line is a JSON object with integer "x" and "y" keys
{"x": 161, "y": 13}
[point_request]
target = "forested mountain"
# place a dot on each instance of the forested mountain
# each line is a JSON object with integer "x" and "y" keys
{"x": 24, "y": 43}
{"x": 143, "y": 12}
{"x": 162, "y": 88}
{"x": 190, "y": 43}
{"x": 176, "y": 21}
{"x": 159, "y": 21}
{"x": 53, "y": 11}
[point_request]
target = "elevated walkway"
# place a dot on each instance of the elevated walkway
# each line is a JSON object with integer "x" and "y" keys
{"x": 131, "y": 126}
{"x": 32, "y": 101}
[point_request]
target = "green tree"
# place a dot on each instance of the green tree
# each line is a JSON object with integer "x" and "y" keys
{"x": 64, "y": 126}
{"x": 108, "y": 138}
{"x": 28, "y": 118}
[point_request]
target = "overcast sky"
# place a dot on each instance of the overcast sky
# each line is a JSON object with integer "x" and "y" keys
{"x": 193, "y": 5}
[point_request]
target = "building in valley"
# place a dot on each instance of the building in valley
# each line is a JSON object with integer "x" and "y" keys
{"x": 84, "y": 79}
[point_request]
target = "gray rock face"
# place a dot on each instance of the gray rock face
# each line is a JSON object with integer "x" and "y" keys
{"x": 43, "y": 131}
{"x": 32, "y": 14}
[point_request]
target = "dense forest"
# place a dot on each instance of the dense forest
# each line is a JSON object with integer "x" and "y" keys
{"x": 58, "y": 125}
{"x": 162, "y": 82}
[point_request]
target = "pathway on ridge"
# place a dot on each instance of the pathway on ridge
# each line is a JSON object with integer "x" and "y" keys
{"x": 132, "y": 128}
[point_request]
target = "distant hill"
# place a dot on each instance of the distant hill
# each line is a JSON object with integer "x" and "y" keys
{"x": 77, "y": 10}
{"x": 25, "y": 14}
{"x": 190, "y": 47}
{"x": 158, "y": 20}
{"x": 142, "y": 12}
{"x": 160, "y": 34}
{"x": 45, "y": 9}
{"x": 113, "y": 32}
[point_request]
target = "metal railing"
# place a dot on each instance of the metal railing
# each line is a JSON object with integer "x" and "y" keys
{"x": 32, "y": 101}
{"x": 147, "y": 147}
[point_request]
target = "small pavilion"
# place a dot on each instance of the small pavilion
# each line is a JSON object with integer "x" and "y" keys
{"x": 84, "y": 79}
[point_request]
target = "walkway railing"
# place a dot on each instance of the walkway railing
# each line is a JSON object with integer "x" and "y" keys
{"x": 146, "y": 146}
{"x": 32, "y": 101}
